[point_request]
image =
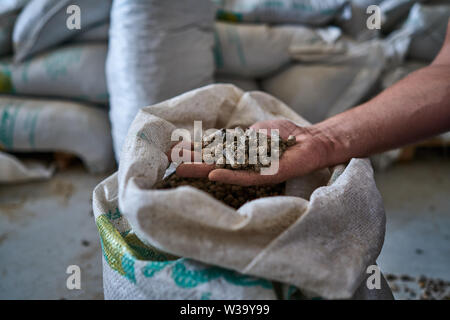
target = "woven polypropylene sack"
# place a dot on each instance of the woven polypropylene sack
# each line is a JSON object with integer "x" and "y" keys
{"x": 43, "y": 125}
{"x": 157, "y": 50}
{"x": 42, "y": 24}
{"x": 134, "y": 270}
{"x": 75, "y": 71}
{"x": 320, "y": 237}
{"x": 320, "y": 89}
{"x": 258, "y": 50}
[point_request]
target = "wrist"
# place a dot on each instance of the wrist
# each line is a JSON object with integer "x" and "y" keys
{"x": 324, "y": 148}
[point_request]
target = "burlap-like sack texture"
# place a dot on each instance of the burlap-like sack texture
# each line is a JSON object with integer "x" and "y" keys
{"x": 133, "y": 270}
{"x": 320, "y": 237}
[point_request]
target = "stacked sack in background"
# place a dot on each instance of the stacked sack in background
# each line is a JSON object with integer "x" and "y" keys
{"x": 53, "y": 91}
{"x": 157, "y": 49}
{"x": 316, "y": 56}
{"x": 319, "y": 57}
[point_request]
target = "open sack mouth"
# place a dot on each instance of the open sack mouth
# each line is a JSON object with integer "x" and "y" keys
{"x": 297, "y": 238}
{"x": 233, "y": 149}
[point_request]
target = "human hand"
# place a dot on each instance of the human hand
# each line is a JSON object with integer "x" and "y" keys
{"x": 300, "y": 159}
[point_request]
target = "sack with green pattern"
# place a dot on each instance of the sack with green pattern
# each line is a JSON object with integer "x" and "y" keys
{"x": 320, "y": 236}
{"x": 322, "y": 248}
{"x": 258, "y": 50}
{"x": 133, "y": 270}
{"x": 74, "y": 71}
{"x": 42, "y": 125}
{"x": 13, "y": 170}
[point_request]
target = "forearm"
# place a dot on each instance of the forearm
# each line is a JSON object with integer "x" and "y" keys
{"x": 415, "y": 108}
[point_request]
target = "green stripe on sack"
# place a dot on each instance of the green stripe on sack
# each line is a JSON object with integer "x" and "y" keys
{"x": 234, "y": 37}
{"x": 187, "y": 278}
{"x": 6, "y": 85}
{"x": 115, "y": 249}
{"x": 228, "y": 16}
{"x": 30, "y": 125}
{"x": 217, "y": 50}
{"x": 7, "y": 123}
{"x": 120, "y": 252}
{"x": 57, "y": 64}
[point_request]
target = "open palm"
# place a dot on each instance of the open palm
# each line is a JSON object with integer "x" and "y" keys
{"x": 296, "y": 161}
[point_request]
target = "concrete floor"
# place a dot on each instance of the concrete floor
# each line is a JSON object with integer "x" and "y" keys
{"x": 44, "y": 228}
{"x": 417, "y": 201}
{"x": 47, "y": 226}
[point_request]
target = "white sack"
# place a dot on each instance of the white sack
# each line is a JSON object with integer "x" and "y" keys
{"x": 42, "y": 23}
{"x": 75, "y": 71}
{"x": 133, "y": 270}
{"x": 157, "y": 49}
{"x": 320, "y": 237}
{"x": 13, "y": 170}
{"x": 309, "y": 12}
{"x": 52, "y": 125}
{"x": 257, "y": 50}
{"x": 421, "y": 36}
{"x": 322, "y": 89}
